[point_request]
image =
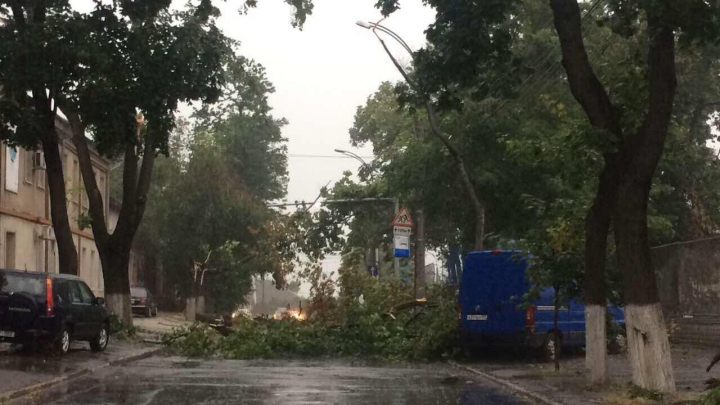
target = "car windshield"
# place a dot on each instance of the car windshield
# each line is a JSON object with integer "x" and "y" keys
{"x": 138, "y": 292}
{"x": 11, "y": 283}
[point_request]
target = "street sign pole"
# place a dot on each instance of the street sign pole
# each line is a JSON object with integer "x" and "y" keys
{"x": 397, "y": 259}
{"x": 402, "y": 229}
{"x": 420, "y": 255}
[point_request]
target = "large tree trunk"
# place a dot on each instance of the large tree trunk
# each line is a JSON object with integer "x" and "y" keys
{"x": 117, "y": 282}
{"x": 597, "y": 227}
{"x": 67, "y": 255}
{"x": 647, "y": 335}
{"x": 115, "y": 249}
{"x": 648, "y": 345}
{"x": 31, "y": 17}
{"x": 634, "y": 166}
{"x": 191, "y": 302}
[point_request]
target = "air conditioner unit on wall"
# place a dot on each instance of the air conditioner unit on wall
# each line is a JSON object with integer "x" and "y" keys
{"x": 46, "y": 233}
{"x": 39, "y": 161}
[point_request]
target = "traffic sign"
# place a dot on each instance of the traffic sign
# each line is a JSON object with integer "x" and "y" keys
{"x": 402, "y": 230}
{"x": 402, "y": 245}
{"x": 403, "y": 218}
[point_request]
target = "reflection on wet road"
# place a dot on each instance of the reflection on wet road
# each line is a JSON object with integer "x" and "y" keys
{"x": 177, "y": 381}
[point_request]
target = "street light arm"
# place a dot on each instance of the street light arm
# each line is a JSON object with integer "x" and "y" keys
{"x": 374, "y": 26}
{"x": 396, "y": 63}
{"x": 396, "y": 37}
{"x": 353, "y": 155}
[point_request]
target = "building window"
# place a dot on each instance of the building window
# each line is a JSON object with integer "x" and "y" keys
{"x": 10, "y": 250}
{"x": 82, "y": 260}
{"x": 41, "y": 171}
{"x": 76, "y": 182}
{"x": 92, "y": 260}
{"x": 29, "y": 166}
{"x": 101, "y": 186}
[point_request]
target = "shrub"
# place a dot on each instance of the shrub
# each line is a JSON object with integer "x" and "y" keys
{"x": 120, "y": 330}
{"x": 712, "y": 397}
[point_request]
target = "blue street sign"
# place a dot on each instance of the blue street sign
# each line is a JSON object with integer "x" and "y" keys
{"x": 402, "y": 245}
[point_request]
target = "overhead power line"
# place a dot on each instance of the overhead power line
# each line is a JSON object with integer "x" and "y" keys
{"x": 295, "y": 155}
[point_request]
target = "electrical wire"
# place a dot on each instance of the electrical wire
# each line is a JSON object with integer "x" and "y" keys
{"x": 297, "y": 155}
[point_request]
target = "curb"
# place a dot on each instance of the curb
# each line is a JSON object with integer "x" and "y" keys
{"x": 507, "y": 384}
{"x": 10, "y": 395}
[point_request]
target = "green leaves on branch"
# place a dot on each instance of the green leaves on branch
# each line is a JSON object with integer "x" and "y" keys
{"x": 362, "y": 330}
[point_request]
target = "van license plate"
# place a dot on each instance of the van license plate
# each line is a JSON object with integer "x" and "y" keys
{"x": 477, "y": 317}
{"x": 4, "y": 333}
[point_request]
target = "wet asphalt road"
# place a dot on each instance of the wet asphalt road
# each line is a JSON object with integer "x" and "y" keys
{"x": 173, "y": 380}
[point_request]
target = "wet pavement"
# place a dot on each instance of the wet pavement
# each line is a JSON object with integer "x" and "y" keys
{"x": 164, "y": 322}
{"x": 19, "y": 369}
{"x": 175, "y": 380}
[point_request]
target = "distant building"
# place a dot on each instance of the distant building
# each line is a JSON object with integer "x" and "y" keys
{"x": 27, "y": 240}
{"x": 434, "y": 274}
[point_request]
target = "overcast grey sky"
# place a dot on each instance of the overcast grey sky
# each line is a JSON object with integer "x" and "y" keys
{"x": 322, "y": 74}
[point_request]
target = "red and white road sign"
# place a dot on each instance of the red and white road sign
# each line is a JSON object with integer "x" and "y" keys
{"x": 403, "y": 219}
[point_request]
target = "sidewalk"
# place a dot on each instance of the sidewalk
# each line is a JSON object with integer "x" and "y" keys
{"x": 22, "y": 373}
{"x": 164, "y": 322}
{"x": 569, "y": 386}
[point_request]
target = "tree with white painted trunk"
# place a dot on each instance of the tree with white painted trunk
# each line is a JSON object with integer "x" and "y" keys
{"x": 136, "y": 59}
{"x": 471, "y": 44}
{"x": 622, "y": 197}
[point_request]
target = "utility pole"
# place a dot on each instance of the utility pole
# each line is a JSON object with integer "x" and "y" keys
{"x": 419, "y": 254}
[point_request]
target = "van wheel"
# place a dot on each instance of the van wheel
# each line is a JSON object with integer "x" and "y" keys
{"x": 100, "y": 341}
{"x": 62, "y": 344}
{"x": 551, "y": 349}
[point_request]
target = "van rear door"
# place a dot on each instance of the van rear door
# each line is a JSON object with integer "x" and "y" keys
{"x": 491, "y": 292}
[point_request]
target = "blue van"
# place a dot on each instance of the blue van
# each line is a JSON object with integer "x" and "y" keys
{"x": 492, "y": 311}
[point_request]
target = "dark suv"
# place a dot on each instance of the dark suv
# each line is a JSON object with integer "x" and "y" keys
{"x": 50, "y": 308}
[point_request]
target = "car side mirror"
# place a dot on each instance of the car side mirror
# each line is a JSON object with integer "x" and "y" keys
{"x": 99, "y": 301}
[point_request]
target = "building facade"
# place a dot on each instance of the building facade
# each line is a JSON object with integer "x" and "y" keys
{"x": 27, "y": 241}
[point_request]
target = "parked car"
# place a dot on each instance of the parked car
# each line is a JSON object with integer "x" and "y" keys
{"x": 143, "y": 302}
{"x": 53, "y": 309}
{"x": 494, "y": 311}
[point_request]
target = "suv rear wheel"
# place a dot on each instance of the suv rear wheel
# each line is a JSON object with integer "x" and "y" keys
{"x": 100, "y": 341}
{"x": 62, "y": 344}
